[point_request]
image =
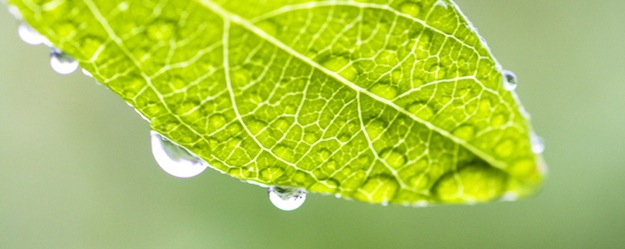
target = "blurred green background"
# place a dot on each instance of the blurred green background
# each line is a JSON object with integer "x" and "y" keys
{"x": 77, "y": 172}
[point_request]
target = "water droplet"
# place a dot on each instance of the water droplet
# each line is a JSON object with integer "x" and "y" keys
{"x": 387, "y": 57}
{"x": 421, "y": 204}
{"x": 311, "y": 136}
{"x": 410, "y": 8}
{"x": 161, "y": 30}
{"x": 375, "y": 129}
{"x": 86, "y": 73}
{"x": 324, "y": 154}
{"x": 421, "y": 110}
{"x": 441, "y": 3}
{"x": 464, "y": 132}
{"x": 329, "y": 186}
{"x": 510, "y": 196}
{"x": 344, "y": 137}
{"x": 216, "y": 121}
{"x": 285, "y": 152}
{"x": 62, "y": 63}
{"x": 285, "y": 198}
{"x": 175, "y": 160}
{"x": 473, "y": 183}
{"x": 538, "y": 144}
{"x": 29, "y": 35}
{"x": 384, "y": 90}
{"x": 271, "y": 174}
{"x": 123, "y": 6}
{"x": 510, "y": 80}
{"x": 393, "y": 158}
{"x": 15, "y": 12}
{"x": 282, "y": 125}
{"x": 341, "y": 65}
{"x": 378, "y": 189}
{"x": 505, "y": 148}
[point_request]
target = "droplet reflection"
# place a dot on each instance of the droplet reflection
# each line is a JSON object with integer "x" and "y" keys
{"x": 175, "y": 160}
{"x": 15, "y": 12}
{"x": 86, "y": 73}
{"x": 62, "y": 63}
{"x": 285, "y": 198}
{"x": 29, "y": 35}
{"x": 510, "y": 80}
{"x": 538, "y": 144}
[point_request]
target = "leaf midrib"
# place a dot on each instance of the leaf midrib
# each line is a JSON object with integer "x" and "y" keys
{"x": 231, "y": 17}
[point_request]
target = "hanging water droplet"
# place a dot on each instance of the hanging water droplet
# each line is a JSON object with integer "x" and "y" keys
{"x": 29, "y": 35}
{"x": 285, "y": 198}
{"x": 174, "y": 159}
{"x": 15, "y": 12}
{"x": 510, "y": 80}
{"x": 85, "y": 72}
{"x": 482, "y": 39}
{"x": 62, "y": 63}
{"x": 509, "y": 196}
{"x": 538, "y": 144}
{"x": 47, "y": 42}
{"x": 441, "y": 3}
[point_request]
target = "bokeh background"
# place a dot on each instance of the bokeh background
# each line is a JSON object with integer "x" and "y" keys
{"x": 76, "y": 169}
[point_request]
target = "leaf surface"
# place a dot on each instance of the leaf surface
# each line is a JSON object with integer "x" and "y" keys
{"x": 381, "y": 101}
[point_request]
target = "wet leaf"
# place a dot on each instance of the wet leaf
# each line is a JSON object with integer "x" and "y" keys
{"x": 380, "y": 101}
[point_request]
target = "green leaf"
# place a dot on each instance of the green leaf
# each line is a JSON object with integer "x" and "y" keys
{"x": 380, "y": 101}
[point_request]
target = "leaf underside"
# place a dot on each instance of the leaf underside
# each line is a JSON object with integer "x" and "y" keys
{"x": 381, "y": 101}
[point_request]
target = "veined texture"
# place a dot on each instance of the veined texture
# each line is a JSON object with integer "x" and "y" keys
{"x": 381, "y": 101}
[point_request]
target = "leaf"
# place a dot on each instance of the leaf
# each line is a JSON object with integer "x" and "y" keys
{"x": 379, "y": 101}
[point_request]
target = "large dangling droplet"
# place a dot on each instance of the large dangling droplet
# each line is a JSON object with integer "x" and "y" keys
{"x": 29, "y": 35}
{"x": 15, "y": 12}
{"x": 174, "y": 159}
{"x": 62, "y": 63}
{"x": 286, "y": 198}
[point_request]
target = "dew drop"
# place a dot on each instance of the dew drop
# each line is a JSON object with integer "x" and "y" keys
{"x": 285, "y": 198}
{"x": 441, "y": 3}
{"x": 464, "y": 132}
{"x": 421, "y": 110}
{"x": 85, "y": 72}
{"x": 385, "y": 91}
{"x": 62, "y": 63}
{"x": 538, "y": 144}
{"x": 471, "y": 184}
{"x": 175, "y": 160}
{"x": 378, "y": 189}
{"x": 421, "y": 204}
{"x": 510, "y": 80}
{"x": 161, "y": 30}
{"x": 509, "y": 196}
{"x": 393, "y": 158}
{"x": 29, "y": 35}
{"x": 123, "y": 6}
{"x": 410, "y": 8}
{"x": 15, "y": 12}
